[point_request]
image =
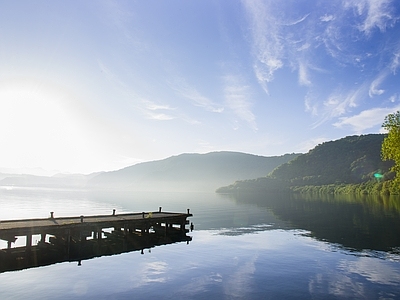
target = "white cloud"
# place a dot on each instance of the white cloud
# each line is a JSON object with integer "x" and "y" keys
{"x": 374, "y": 87}
{"x": 327, "y": 18}
{"x": 395, "y": 62}
{"x": 146, "y": 107}
{"x": 334, "y": 41}
{"x": 303, "y": 75}
{"x": 151, "y": 109}
{"x": 237, "y": 98}
{"x": 305, "y": 46}
{"x": 297, "y": 21}
{"x": 267, "y": 43}
{"x": 310, "y": 105}
{"x": 378, "y": 13}
{"x": 366, "y": 119}
{"x": 337, "y": 105}
{"x": 394, "y": 98}
{"x": 120, "y": 16}
{"x": 153, "y": 106}
{"x": 158, "y": 116}
{"x": 183, "y": 89}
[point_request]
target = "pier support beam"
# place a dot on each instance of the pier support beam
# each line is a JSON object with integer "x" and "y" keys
{"x": 28, "y": 242}
{"x": 68, "y": 242}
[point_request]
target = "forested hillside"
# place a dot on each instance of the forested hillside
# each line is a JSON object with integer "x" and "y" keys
{"x": 351, "y": 160}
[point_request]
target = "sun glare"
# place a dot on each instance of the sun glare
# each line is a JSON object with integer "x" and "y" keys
{"x": 37, "y": 122}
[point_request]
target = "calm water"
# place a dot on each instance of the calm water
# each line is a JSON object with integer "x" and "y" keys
{"x": 248, "y": 247}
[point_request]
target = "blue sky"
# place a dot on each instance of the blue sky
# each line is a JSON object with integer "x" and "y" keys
{"x": 99, "y": 85}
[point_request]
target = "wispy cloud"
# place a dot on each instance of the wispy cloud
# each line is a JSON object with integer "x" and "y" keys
{"x": 237, "y": 97}
{"x": 303, "y": 75}
{"x": 267, "y": 43}
{"x": 394, "y": 98}
{"x": 376, "y": 13}
{"x": 374, "y": 89}
{"x": 351, "y": 25}
{"x": 395, "y": 62}
{"x": 337, "y": 104}
{"x": 342, "y": 28}
{"x": 310, "y": 104}
{"x": 154, "y": 111}
{"x": 297, "y": 21}
{"x": 151, "y": 110}
{"x": 366, "y": 119}
{"x": 327, "y": 18}
{"x": 153, "y": 106}
{"x": 158, "y": 116}
{"x": 120, "y": 16}
{"x": 182, "y": 88}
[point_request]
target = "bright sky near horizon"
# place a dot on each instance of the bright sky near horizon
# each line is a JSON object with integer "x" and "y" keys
{"x": 91, "y": 86}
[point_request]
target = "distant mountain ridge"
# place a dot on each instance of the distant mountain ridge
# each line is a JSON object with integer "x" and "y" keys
{"x": 350, "y": 160}
{"x": 185, "y": 172}
{"x": 190, "y": 172}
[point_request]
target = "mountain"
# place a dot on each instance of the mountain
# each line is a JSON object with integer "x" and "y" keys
{"x": 190, "y": 172}
{"x": 350, "y": 160}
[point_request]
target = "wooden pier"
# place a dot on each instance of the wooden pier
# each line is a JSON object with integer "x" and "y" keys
{"x": 84, "y": 237}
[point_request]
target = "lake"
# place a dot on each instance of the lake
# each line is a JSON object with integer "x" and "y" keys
{"x": 243, "y": 247}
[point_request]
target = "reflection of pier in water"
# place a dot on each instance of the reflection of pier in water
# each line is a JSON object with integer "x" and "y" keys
{"x": 85, "y": 237}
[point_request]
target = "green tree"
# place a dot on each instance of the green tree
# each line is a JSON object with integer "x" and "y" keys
{"x": 391, "y": 143}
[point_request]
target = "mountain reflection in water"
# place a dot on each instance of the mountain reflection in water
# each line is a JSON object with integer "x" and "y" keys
{"x": 355, "y": 223}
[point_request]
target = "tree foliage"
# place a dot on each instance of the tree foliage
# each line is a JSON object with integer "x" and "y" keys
{"x": 391, "y": 143}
